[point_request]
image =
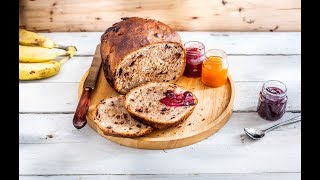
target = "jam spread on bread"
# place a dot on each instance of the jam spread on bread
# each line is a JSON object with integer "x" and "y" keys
{"x": 173, "y": 99}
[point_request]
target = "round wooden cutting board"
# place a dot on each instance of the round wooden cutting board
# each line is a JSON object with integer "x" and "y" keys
{"x": 212, "y": 111}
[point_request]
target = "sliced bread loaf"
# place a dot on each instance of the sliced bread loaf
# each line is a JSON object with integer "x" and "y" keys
{"x": 160, "y": 105}
{"x": 136, "y": 50}
{"x": 113, "y": 119}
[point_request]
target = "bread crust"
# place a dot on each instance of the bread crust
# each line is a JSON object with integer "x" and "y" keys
{"x": 130, "y": 35}
{"x": 109, "y": 132}
{"x": 159, "y": 125}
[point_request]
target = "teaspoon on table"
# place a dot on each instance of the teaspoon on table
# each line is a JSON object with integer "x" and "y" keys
{"x": 258, "y": 134}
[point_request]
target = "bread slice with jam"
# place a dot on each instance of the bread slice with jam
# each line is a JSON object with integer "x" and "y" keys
{"x": 160, "y": 105}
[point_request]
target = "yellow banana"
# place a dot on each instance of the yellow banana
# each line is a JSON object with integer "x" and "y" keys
{"x": 29, "y": 38}
{"x": 33, "y": 71}
{"x": 39, "y": 54}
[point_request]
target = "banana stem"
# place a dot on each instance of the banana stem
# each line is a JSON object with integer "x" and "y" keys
{"x": 70, "y": 52}
{"x": 62, "y": 47}
{"x": 65, "y": 59}
{"x": 66, "y": 48}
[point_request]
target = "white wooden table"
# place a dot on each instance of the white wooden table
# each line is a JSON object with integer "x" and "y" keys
{"x": 51, "y": 148}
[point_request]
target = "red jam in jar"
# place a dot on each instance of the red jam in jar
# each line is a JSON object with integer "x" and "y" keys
{"x": 273, "y": 100}
{"x": 195, "y": 54}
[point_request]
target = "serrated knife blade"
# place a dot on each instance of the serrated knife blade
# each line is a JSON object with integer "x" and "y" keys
{"x": 79, "y": 119}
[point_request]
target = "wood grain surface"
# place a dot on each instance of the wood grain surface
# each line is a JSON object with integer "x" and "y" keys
{"x": 51, "y": 146}
{"x": 253, "y": 176}
{"x": 190, "y": 15}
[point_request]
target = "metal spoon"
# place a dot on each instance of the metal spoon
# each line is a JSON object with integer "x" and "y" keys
{"x": 258, "y": 134}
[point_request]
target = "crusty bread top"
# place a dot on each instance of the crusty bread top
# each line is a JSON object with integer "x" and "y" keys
{"x": 129, "y": 35}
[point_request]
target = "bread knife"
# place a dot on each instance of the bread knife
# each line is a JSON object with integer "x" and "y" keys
{"x": 79, "y": 119}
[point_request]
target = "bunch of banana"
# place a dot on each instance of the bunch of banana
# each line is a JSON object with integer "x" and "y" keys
{"x": 37, "y": 55}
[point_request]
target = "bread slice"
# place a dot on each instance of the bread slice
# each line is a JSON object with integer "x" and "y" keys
{"x": 113, "y": 119}
{"x": 143, "y": 103}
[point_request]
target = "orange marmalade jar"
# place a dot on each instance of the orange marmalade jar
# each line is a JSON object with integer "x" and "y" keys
{"x": 215, "y": 68}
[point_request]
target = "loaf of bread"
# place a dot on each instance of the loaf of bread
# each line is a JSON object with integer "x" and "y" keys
{"x": 136, "y": 51}
{"x": 160, "y": 105}
{"x": 113, "y": 119}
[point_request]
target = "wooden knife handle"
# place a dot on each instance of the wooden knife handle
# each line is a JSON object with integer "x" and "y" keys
{"x": 79, "y": 119}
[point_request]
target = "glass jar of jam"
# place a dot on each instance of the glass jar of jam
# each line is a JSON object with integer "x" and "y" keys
{"x": 273, "y": 100}
{"x": 215, "y": 68}
{"x": 194, "y": 56}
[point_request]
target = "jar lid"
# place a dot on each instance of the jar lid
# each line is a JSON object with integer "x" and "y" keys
{"x": 274, "y": 88}
{"x": 217, "y": 53}
{"x": 194, "y": 48}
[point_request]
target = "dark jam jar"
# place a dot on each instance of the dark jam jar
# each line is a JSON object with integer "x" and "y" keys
{"x": 273, "y": 100}
{"x": 194, "y": 56}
